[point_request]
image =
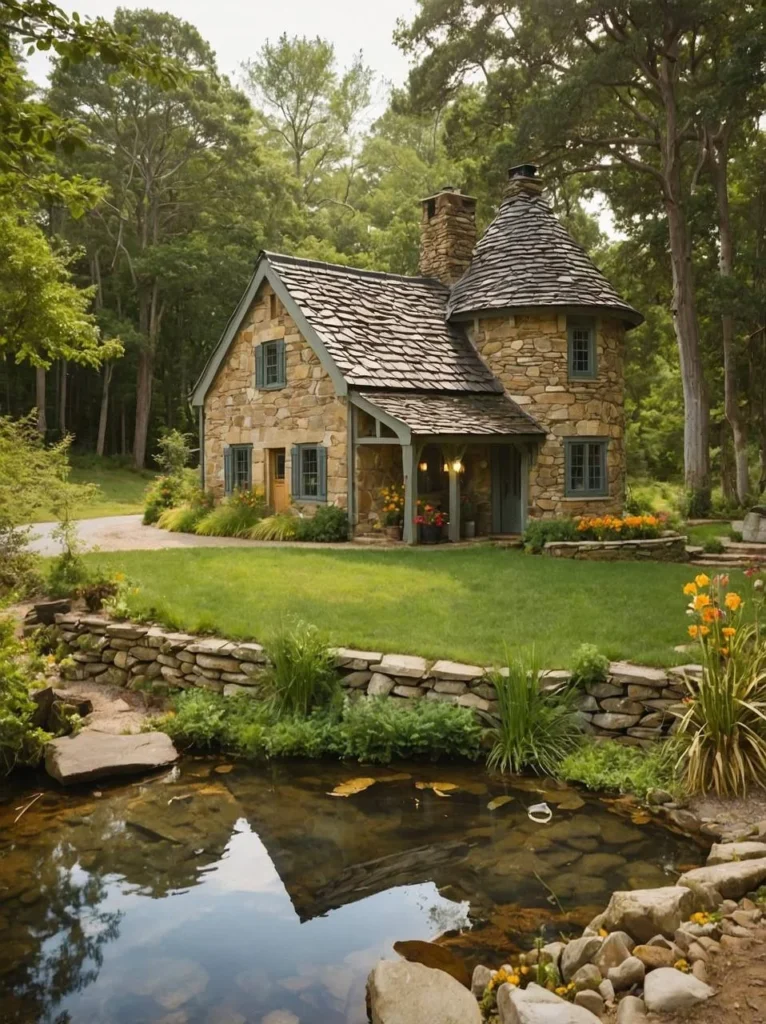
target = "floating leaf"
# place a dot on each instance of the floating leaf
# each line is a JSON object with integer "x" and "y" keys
{"x": 499, "y": 801}
{"x": 442, "y": 789}
{"x": 396, "y": 777}
{"x": 353, "y": 786}
{"x": 640, "y": 818}
{"x": 223, "y": 769}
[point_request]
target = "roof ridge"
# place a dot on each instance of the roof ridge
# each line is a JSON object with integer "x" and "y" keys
{"x": 342, "y": 268}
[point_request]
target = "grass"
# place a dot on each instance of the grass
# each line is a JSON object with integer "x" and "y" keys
{"x": 462, "y": 604}
{"x": 121, "y": 488}
{"x": 700, "y": 535}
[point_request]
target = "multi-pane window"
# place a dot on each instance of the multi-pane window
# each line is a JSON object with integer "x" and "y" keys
{"x": 581, "y": 334}
{"x": 309, "y": 472}
{"x": 238, "y": 467}
{"x": 270, "y": 367}
{"x": 586, "y": 468}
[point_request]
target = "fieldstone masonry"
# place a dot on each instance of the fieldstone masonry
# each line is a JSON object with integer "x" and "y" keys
{"x": 634, "y": 706}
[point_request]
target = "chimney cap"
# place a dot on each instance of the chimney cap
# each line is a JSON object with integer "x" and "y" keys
{"x": 523, "y": 171}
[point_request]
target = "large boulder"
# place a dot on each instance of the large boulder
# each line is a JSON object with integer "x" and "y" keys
{"x": 731, "y": 880}
{"x": 726, "y": 853}
{"x": 536, "y": 1005}
{"x": 406, "y": 993}
{"x": 95, "y": 755}
{"x": 577, "y": 953}
{"x": 644, "y": 913}
{"x": 754, "y": 526}
{"x": 667, "y": 989}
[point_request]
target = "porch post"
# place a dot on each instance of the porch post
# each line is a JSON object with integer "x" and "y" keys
{"x": 410, "y": 473}
{"x": 453, "y": 528}
{"x": 351, "y": 466}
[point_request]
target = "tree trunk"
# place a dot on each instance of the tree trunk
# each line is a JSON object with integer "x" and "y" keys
{"x": 719, "y": 166}
{"x": 143, "y": 406}
{"x": 123, "y": 430}
{"x": 104, "y": 412}
{"x": 42, "y": 423}
{"x": 62, "y": 396}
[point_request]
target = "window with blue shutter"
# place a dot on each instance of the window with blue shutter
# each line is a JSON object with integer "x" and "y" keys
{"x": 309, "y": 472}
{"x": 270, "y": 365}
{"x": 581, "y": 335}
{"x": 238, "y": 468}
{"x": 586, "y": 469}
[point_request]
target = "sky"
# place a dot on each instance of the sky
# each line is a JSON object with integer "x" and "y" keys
{"x": 236, "y": 29}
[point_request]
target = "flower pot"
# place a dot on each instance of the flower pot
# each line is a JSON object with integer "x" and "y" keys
{"x": 430, "y": 533}
{"x": 469, "y": 529}
{"x": 394, "y": 532}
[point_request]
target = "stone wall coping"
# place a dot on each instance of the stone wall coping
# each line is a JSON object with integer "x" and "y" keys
{"x": 643, "y": 542}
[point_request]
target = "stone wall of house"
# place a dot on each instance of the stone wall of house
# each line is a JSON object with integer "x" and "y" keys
{"x": 529, "y": 354}
{"x": 633, "y": 706}
{"x": 305, "y": 411}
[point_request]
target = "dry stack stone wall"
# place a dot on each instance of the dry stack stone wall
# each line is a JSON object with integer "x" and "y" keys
{"x": 632, "y": 706}
{"x": 670, "y": 548}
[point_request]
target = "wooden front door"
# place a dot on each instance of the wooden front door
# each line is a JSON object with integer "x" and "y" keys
{"x": 277, "y": 480}
{"x": 506, "y": 489}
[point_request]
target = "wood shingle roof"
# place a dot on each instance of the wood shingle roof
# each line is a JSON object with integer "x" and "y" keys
{"x": 435, "y": 414}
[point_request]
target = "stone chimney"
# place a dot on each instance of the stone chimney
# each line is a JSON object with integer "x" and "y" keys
{"x": 523, "y": 180}
{"x": 447, "y": 235}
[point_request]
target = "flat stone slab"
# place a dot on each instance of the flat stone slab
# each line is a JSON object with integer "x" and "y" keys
{"x": 344, "y": 655}
{"x": 454, "y": 670}
{"x": 626, "y": 672}
{"x": 725, "y": 853}
{"x": 731, "y": 880}
{"x": 96, "y": 755}
{"x": 408, "y": 665}
{"x": 536, "y": 1005}
{"x": 410, "y": 993}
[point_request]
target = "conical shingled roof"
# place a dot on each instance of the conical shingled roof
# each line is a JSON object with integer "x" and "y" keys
{"x": 526, "y": 259}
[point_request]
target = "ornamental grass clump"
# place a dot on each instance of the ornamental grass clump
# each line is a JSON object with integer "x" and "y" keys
{"x": 538, "y": 727}
{"x": 302, "y": 674}
{"x": 235, "y": 516}
{"x": 723, "y": 720}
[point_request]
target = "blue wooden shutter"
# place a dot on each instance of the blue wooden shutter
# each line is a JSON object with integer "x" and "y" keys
{"x": 259, "y": 366}
{"x": 281, "y": 364}
{"x": 322, "y": 472}
{"x": 295, "y": 456}
{"x": 249, "y": 467}
{"x": 228, "y": 474}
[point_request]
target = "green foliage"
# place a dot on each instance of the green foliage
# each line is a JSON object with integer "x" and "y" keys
{"x": 68, "y": 574}
{"x": 234, "y": 517}
{"x": 714, "y": 546}
{"x": 538, "y": 728}
{"x": 169, "y": 492}
{"x": 610, "y": 765}
{"x": 173, "y": 453}
{"x": 281, "y": 526}
{"x": 367, "y": 730}
{"x": 183, "y": 519}
{"x": 302, "y": 673}
{"x": 21, "y": 742}
{"x": 540, "y": 532}
{"x": 328, "y": 525}
{"x": 589, "y": 665}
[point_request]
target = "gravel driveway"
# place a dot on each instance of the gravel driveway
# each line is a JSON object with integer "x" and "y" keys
{"x": 127, "y": 533}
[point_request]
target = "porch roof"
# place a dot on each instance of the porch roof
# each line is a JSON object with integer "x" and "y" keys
{"x": 434, "y": 414}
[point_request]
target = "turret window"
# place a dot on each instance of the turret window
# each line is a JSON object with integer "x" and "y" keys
{"x": 581, "y": 333}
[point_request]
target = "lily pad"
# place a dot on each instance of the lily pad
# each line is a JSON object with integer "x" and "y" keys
{"x": 353, "y": 786}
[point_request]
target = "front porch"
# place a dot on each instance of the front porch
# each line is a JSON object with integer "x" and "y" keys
{"x": 475, "y": 477}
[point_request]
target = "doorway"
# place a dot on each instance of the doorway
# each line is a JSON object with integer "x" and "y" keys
{"x": 506, "y": 490}
{"x": 277, "y": 480}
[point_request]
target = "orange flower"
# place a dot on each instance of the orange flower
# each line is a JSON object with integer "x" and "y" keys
{"x": 690, "y": 589}
{"x": 704, "y": 630}
{"x": 703, "y": 600}
{"x": 702, "y": 580}
{"x": 694, "y": 632}
{"x": 733, "y": 601}
{"x": 710, "y": 614}
{"x": 728, "y": 631}
{"x": 725, "y": 652}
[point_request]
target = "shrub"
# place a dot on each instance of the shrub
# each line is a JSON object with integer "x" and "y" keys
{"x": 714, "y": 546}
{"x": 173, "y": 453}
{"x": 21, "y": 742}
{"x": 19, "y": 568}
{"x": 538, "y": 728}
{"x": 169, "y": 492}
{"x": 302, "y": 674}
{"x": 540, "y": 532}
{"x": 589, "y": 665}
{"x": 724, "y": 721}
{"x": 382, "y": 730}
{"x": 328, "y": 525}
{"x": 611, "y": 765}
{"x": 281, "y": 526}
{"x": 234, "y": 517}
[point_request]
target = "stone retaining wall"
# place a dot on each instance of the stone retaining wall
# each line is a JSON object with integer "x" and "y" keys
{"x": 633, "y": 706}
{"x": 659, "y": 549}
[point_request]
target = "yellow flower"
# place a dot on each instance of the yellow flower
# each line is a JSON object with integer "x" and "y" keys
{"x": 728, "y": 631}
{"x": 704, "y": 630}
{"x": 702, "y": 601}
{"x": 682, "y": 965}
{"x": 525, "y": 970}
{"x": 514, "y": 979}
{"x": 733, "y": 601}
{"x": 603, "y": 932}
{"x": 691, "y": 589}
{"x": 561, "y": 990}
{"x": 694, "y": 632}
{"x": 702, "y": 580}
{"x": 710, "y": 614}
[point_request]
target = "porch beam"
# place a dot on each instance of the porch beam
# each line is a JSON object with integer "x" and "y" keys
{"x": 410, "y": 455}
{"x": 453, "y": 527}
{"x": 378, "y": 440}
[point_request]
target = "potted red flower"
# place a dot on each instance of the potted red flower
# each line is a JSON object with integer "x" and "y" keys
{"x": 430, "y": 521}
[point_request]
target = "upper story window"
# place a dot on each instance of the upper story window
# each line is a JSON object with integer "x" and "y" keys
{"x": 586, "y": 467}
{"x": 238, "y": 468}
{"x": 309, "y": 472}
{"x": 581, "y": 334}
{"x": 270, "y": 365}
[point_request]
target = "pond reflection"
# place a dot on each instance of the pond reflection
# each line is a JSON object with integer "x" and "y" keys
{"x": 227, "y": 894}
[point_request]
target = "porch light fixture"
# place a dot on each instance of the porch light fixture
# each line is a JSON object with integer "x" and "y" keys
{"x": 423, "y": 467}
{"x": 446, "y": 467}
{"x": 457, "y": 466}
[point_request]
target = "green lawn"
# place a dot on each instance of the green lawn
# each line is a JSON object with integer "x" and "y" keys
{"x": 707, "y": 531}
{"x": 121, "y": 488}
{"x": 463, "y": 604}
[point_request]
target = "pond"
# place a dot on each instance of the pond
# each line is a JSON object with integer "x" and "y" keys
{"x": 227, "y": 894}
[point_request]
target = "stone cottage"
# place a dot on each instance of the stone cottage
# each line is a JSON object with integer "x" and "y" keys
{"x": 496, "y": 376}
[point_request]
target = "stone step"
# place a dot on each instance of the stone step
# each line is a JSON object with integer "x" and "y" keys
{"x": 742, "y": 547}
{"x": 724, "y": 563}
